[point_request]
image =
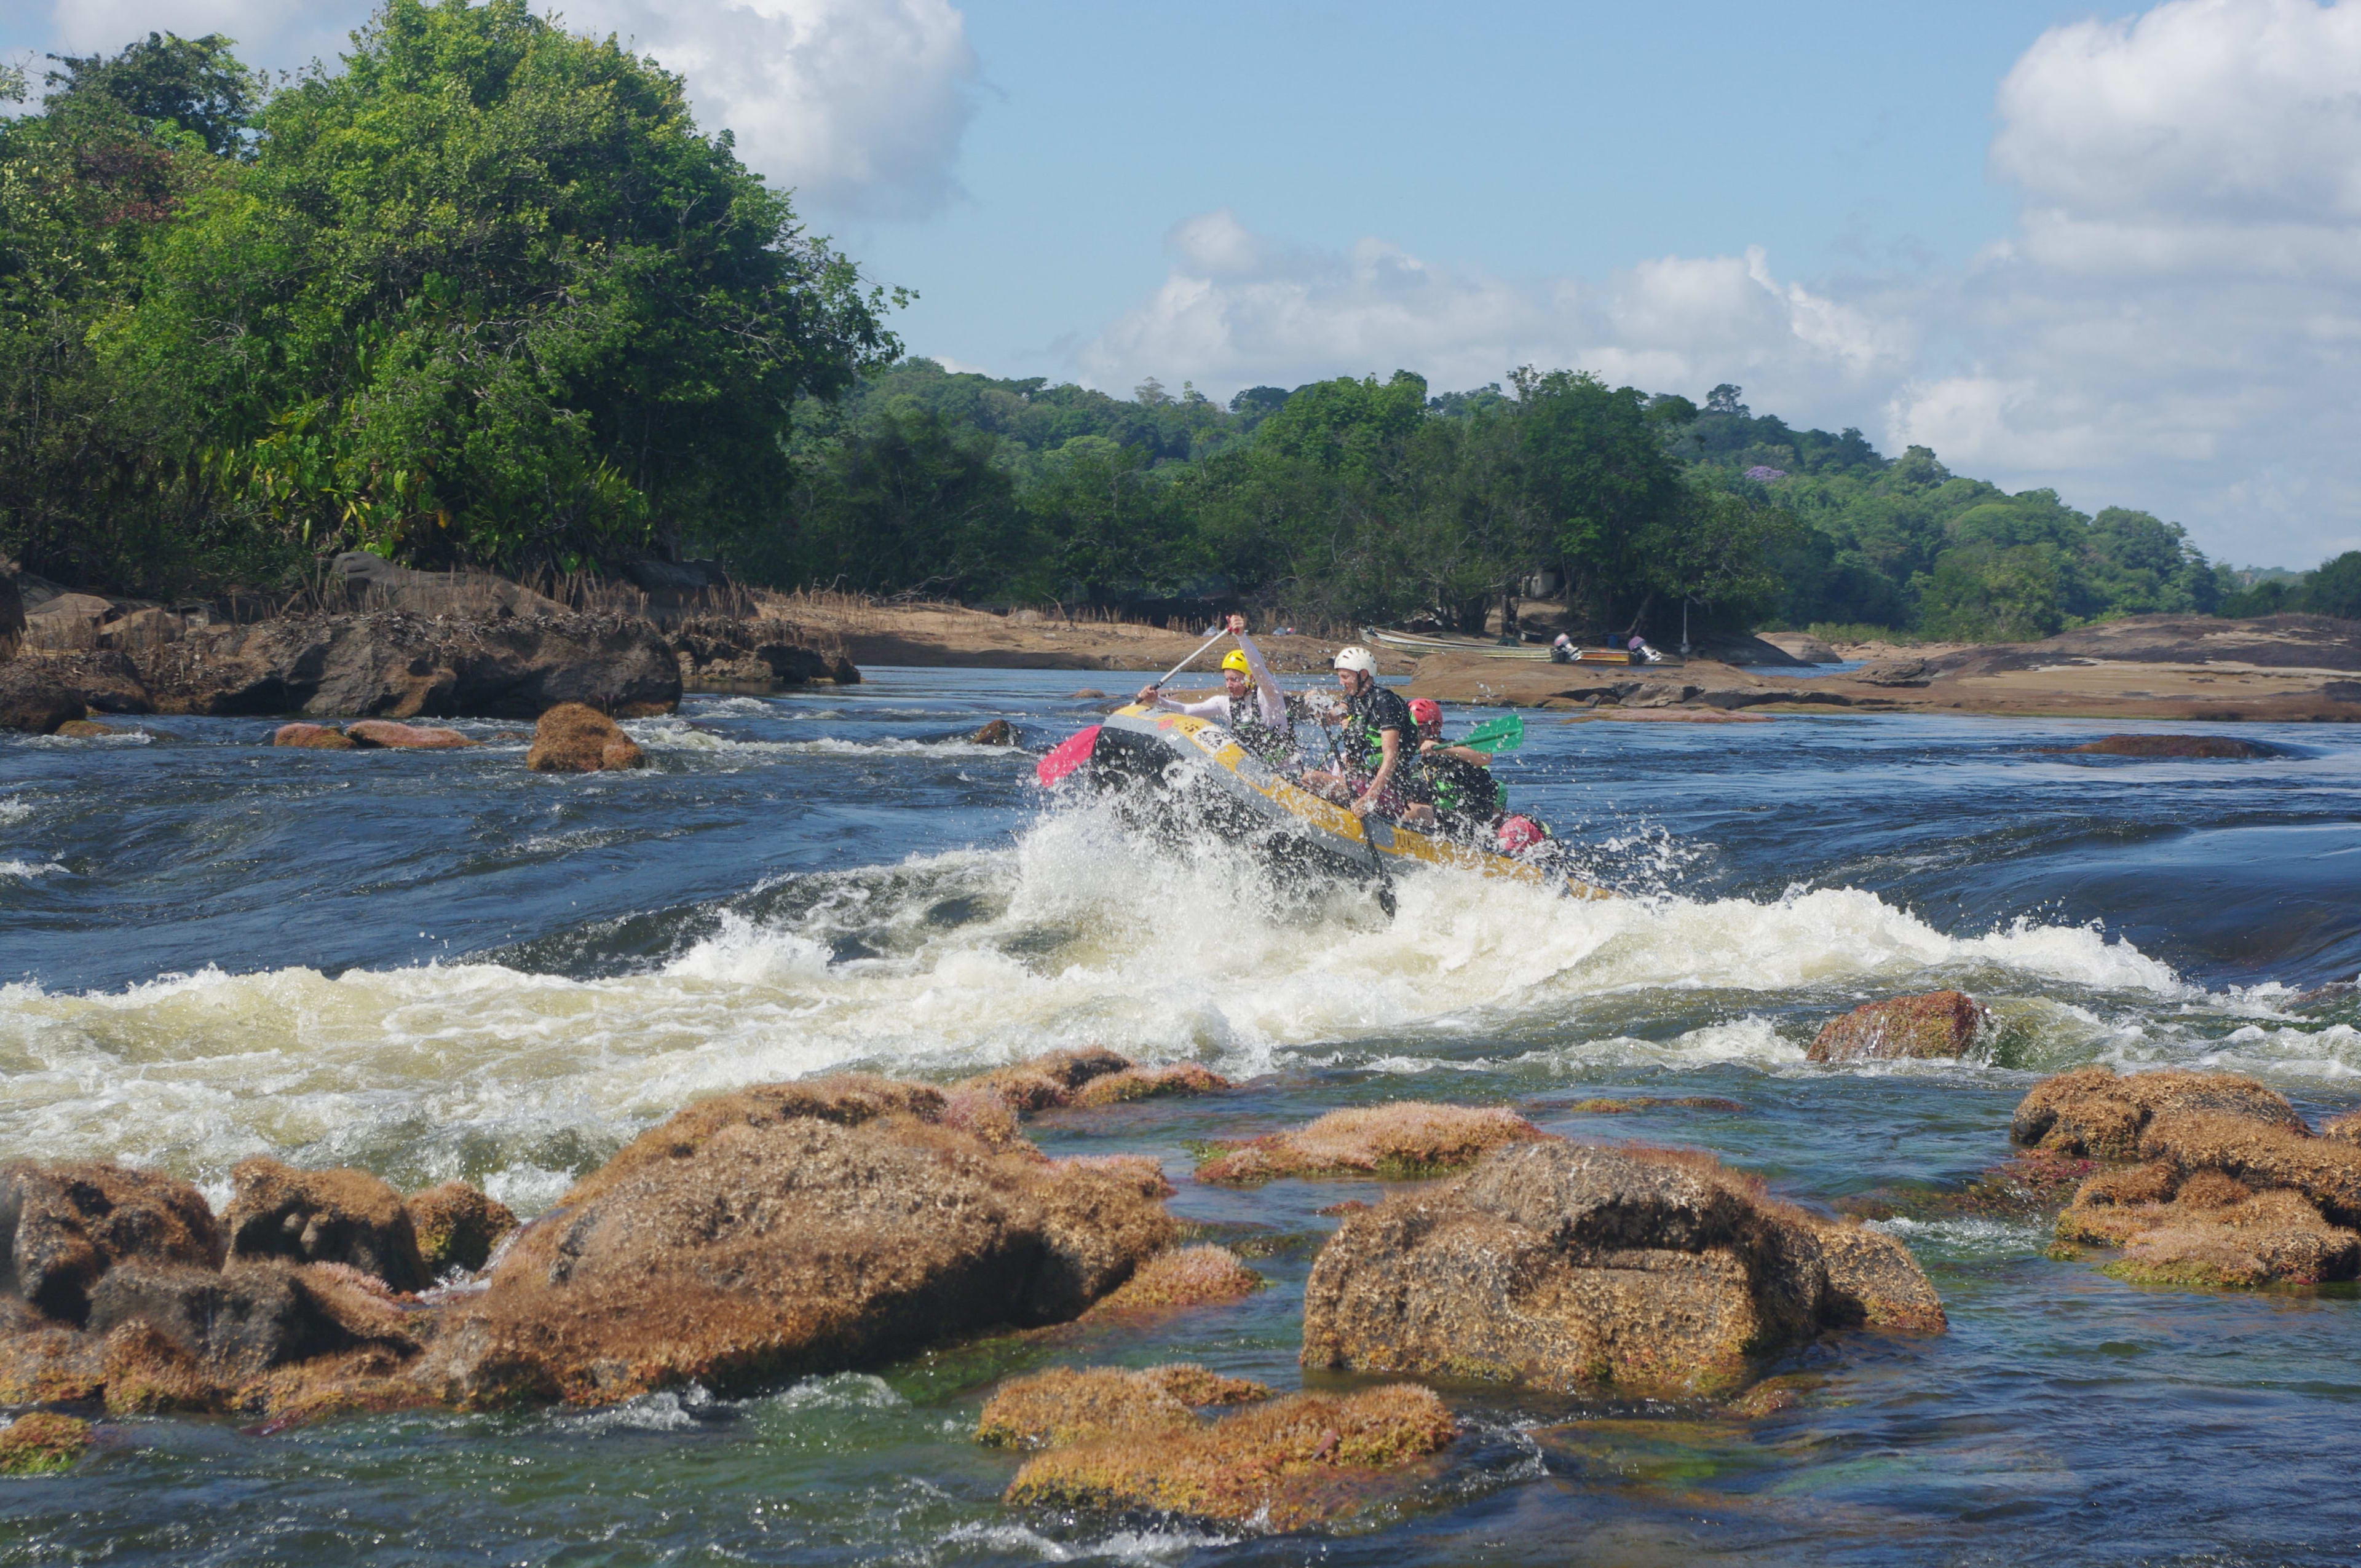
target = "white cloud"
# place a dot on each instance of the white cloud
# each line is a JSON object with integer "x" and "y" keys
{"x": 859, "y": 104}
{"x": 2174, "y": 324}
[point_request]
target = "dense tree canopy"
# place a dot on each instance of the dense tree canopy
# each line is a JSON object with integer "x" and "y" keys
{"x": 484, "y": 294}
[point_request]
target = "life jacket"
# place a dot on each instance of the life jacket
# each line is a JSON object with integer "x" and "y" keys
{"x": 1246, "y": 727}
{"x": 1462, "y": 789}
{"x": 1367, "y": 718}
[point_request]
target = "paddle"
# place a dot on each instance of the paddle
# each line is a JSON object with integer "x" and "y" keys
{"x": 1066, "y": 756}
{"x": 1191, "y": 659}
{"x": 1505, "y": 733}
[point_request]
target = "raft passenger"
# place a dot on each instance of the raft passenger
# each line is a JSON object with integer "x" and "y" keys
{"x": 1251, "y": 706}
{"x": 1376, "y": 732}
{"x": 1451, "y": 787}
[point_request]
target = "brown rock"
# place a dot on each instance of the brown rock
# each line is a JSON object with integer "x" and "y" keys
{"x": 1148, "y": 1083}
{"x": 249, "y": 1318}
{"x": 393, "y": 736}
{"x": 789, "y": 1229}
{"x": 456, "y": 1226}
{"x": 63, "y": 1226}
{"x": 148, "y": 1373}
{"x": 33, "y": 700}
{"x": 1288, "y": 1464}
{"x": 40, "y": 1443}
{"x": 1575, "y": 1267}
{"x": 573, "y": 739}
{"x": 1042, "y": 1083}
{"x": 2347, "y": 1128}
{"x": 86, "y": 730}
{"x": 1064, "y": 1406}
{"x": 43, "y": 1363}
{"x": 101, "y": 680}
{"x": 2094, "y": 1113}
{"x": 313, "y": 738}
{"x": 2174, "y": 746}
{"x": 1938, "y": 1024}
{"x": 323, "y": 1216}
{"x": 1186, "y": 1276}
{"x": 2327, "y": 1171}
{"x": 1406, "y": 1141}
{"x": 999, "y": 732}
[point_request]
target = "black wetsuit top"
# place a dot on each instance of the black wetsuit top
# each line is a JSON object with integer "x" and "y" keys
{"x": 1377, "y": 709}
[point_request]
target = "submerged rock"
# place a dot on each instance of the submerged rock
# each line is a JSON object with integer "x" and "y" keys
{"x": 1186, "y": 1276}
{"x": 2174, "y": 746}
{"x": 574, "y": 739}
{"x": 40, "y": 1443}
{"x": 784, "y": 1229}
{"x": 385, "y": 732}
{"x": 313, "y": 737}
{"x": 2094, "y": 1113}
{"x": 324, "y": 1216}
{"x": 1575, "y": 1267}
{"x": 998, "y": 732}
{"x": 1938, "y": 1024}
{"x": 1407, "y": 1140}
{"x": 1053, "y": 1409}
{"x": 456, "y": 1226}
{"x": 87, "y": 729}
{"x": 63, "y": 1227}
{"x": 1286, "y": 1465}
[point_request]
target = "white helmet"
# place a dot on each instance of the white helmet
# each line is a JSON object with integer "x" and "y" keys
{"x": 1359, "y": 659}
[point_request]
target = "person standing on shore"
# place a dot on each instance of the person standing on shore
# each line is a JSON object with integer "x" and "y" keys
{"x": 1250, "y": 705}
{"x": 1376, "y": 730}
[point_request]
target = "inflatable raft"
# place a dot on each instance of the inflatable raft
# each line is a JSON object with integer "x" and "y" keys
{"x": 1192, "y": 772}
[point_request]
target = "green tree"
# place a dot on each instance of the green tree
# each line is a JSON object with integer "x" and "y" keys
{"x": 2334, "y": 588}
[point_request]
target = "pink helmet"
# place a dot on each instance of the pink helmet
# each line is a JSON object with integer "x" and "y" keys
{"x": 1519, "y": 834}
{"x": 1425, "y": 710}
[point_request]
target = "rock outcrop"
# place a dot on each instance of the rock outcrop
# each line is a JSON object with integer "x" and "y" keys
{"x": 1087, "y": 1077}
{"x": 1938, "y": 1024}
{"x": 1572, "y": 1267}
{"x": 2096, "y": 1114}
{"x": 456, "y": 1226}
{"x": 574, "y": 739}
{"x": 2231, "y": 1187}
{"x": 1063, "y": 1406}
{"x": 373, "y": 733}
{"x": 64, "y": 1227}
{"x": 42, "y": 1442}
{"x": 33, "y": 700}
{"x": 324, "y": 1216}
{"x": 393, "y": 664}
{"x": 719, "y": 653}
{"x": 795, "y": 1228}
{"x": 1285, "y": 1464}
{"x": 1407, "y": 1141}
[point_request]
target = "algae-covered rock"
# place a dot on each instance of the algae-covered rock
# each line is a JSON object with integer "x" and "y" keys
{"x": 1042, "y": 1083}
{"x": 573, "y": 738}
{"x": 63, "y": 1226}
{"x": 1148, "y": 1083}
{"x": 1938, "y": 1024}
{"x": 324, "y": 1216}
{"x": 456, "y": 1226}
{"x": 42, "y": 1442}
{"x": 2345, "y": 1128}
{"x": 784, "y": 1229}
{"x": 1067, "y": 1405}
{"x": 1574, "y": 1268}
{"x": 313, "y": 737}
{"x": 1404, "y": 1141}
{"x": 1185, "y": 1276}
{"x": 391, "y": 735}
{"x": 45, "y": 1363}
{"x": 2096, "y": 1113}
{"x": 2326, "y": 1171}
{"x": 1292, "y": 1463}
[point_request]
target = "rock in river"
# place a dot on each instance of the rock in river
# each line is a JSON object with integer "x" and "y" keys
{"x": 63, "y": 1227}
{"x": 793, "y": 1228}
{"x": 1650, "y": 1272}
{"x": 1407, "y": 1140}
{"x": 32, "y": 699}
{"x": 2095, "y": 1113}
{"x": 575, "y": 739}
{"x": 1939, "y": 1024}
{"x": 323, "y": 1216}
{"x": 387, "y": 733}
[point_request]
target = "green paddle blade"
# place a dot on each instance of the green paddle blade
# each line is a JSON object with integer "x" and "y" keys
{"x": 1505, "y": 733}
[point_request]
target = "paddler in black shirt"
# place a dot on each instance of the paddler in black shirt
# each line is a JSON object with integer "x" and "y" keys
{"x": 1452, "y": 786}
{"x": 1377, "y": 732}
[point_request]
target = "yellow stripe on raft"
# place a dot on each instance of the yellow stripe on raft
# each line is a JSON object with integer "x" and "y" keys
{"x": 1404, "y": 843}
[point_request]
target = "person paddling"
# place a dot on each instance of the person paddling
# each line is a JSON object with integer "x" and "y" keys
{"x": 1376, "y": 734}
{"x": 1250, "y": 705}
{"x": 1451, "y": 786}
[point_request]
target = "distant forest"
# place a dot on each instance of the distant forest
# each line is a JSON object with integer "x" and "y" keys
{"x": 482, "y": 295}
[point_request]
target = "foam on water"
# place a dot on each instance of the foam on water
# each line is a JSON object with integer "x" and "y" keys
{"x": 1076, "y": 935}
{"x": 28, "y": 870}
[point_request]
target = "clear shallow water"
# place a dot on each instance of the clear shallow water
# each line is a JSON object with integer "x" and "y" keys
{"x": 439, "y": 965}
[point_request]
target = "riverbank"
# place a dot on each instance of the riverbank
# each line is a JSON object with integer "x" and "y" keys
{"x": 2286, "y": 668}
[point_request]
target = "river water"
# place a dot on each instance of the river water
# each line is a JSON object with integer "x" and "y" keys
{"x": 440, "y": 965}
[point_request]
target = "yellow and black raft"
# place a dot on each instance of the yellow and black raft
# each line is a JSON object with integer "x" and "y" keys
{"x": 1193, "y": 774}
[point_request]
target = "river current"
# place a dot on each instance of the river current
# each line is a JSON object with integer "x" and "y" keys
{"x": 440, "y": 965}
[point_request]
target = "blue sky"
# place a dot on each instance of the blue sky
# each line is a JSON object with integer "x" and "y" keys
{"x": 2115, "y": 253}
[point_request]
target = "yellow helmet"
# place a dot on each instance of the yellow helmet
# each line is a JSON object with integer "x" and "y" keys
{"x": 1236, "y": 659}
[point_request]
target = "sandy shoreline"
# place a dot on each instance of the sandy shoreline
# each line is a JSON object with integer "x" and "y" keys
{"x": 2279, "y": 669}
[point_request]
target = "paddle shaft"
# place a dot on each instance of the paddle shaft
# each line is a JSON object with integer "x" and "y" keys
{"x": 1191, "y": 659}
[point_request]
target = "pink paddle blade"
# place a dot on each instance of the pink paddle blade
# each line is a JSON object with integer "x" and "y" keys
{"x": 1070, "y": 753}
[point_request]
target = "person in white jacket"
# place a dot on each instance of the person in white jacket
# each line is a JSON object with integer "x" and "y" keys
{"x": 1250, "y": 705}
